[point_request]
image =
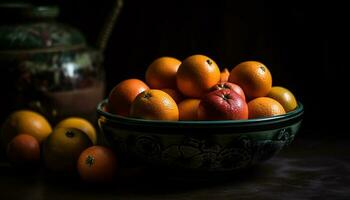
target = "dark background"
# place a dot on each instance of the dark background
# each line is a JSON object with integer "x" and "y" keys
{"x": 303, "y": 44}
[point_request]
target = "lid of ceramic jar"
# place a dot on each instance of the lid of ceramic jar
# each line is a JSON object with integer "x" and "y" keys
{"x": 28, "y": 27}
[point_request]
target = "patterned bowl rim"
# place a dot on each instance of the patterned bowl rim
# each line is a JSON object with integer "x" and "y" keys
{"x": 288, "y": 118}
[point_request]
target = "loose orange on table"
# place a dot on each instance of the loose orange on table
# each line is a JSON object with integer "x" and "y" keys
{"x": 155, "y": 105}
{"x": 188, "y": 109}
{"x": 24, "y": 121}
{"x": 161, "y": 73}
{"x": 97, "y": 164}
{"x": 23, "y": 150}
{"x": 196, "y": 75}
{"x": 81, "y": 124}
{"x": 123, "y": 94}
{"x": 264, "y": 107}
{"x": 62, "y": 149}
{"x": 253, "y": 77}
{"x": 284, "y": 97}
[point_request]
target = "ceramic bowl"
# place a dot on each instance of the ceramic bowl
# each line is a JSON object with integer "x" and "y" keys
{"x": 198, "y": 146}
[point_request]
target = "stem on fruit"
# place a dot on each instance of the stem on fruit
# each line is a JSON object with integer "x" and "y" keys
{"x": 209, "y": 62}
{"x": 147, "y": 95}
{"x": 70, "y": 134}
{"x": 90, "y": 160}
{"x": 226, "y": 97}
{"x": 262, "y": 68}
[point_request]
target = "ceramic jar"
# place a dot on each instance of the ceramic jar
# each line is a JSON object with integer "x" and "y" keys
{"x": 47, "y": 66}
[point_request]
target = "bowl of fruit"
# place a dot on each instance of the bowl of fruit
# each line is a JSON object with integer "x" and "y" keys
{"x": 190, "y": 117}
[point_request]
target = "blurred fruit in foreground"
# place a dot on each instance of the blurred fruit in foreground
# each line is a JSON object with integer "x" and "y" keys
{"x": 156, "y": 105}
{"x": 188, "y": 109}
{"x": 161, "y": 73}
{"x": 62, "y": 148}
{"x": 97, "y": 164}
{"x": 196, "y": 75}
{"x": 222, "y": 105}
{"x": 231, "y": 86}
{"x": 264, "y": 107}
{"x": 123, "y": 94}
{"x": 253, "y": 77}
{"x": 23, "y": 151}
{"x": 224, "y": 74}
{"x": 81, "y": 124}
{"x": 24, "y": 121}
{"x": 175, "y": 94}
{"x": 284, "y": 97}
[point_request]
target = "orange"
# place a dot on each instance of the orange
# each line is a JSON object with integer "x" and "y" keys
{"x": 254, "y": 78}
{"x": 123, "y": 94}
{"x": 224, "y": 74}
{"x": 81, "y": 124}
{"x": 161, "y": 73}
{"x": 63, "y": 147}
{"x": 155, "y": 105}
{"x": 24, "y": 121}
{"x": 23, "y": 150}
{"x": 175, "y": 94}
{"x": 196, "y": 75}
{"x": 188, "y": 109}
{"x": 97, "y": 164}
{"x": 264, "y": 107}
{"x": 284, "y": 97}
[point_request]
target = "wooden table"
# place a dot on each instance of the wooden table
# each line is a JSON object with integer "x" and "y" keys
{"x": 308, "y": 169}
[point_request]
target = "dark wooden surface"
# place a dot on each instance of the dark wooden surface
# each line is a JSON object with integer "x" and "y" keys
{"x": 308, "y": 169}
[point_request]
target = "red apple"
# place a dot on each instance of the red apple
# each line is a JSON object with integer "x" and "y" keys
{"x": 222, "y": 104}
{"x": 231, "y": 86}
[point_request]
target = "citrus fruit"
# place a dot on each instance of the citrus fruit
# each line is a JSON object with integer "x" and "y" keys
{"x": 264, "y": 107}
{"x": 224, "y": 74}
{"x": 196, "y": 75}
{"x": 24, "y": 121}
{"x": 123, "y": 94}
{"x": 254, "y": 78}
{"x": 222, "y": 105}
{"x": 284, "y": 97}
{"x": 97, "y": 164}
{"x": 161, "y": 73}
{"x": 156, "y": 105}
{"x": 175, "y": 94}
{"x": 63, "y": 147}
{"x": 188, "y": 109}
{"x": 23, "y": 150}
{"x": 81, "y": 124}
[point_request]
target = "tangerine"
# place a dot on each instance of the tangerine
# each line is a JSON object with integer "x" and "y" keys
{"x": 155, "y": 105}
{"x": 123, "y": 94}
{"x": 62, "y": 148}
{"x": 224, "y": 74}
{"x": 81, "y": 124}
{"x": 254, "y": 78}
{"x": 24, "y": 121}
{"x": 188, "y": 109}
{"x": 196, "y": 75}
{"x": 161, "y": 73}
{"x": 264, "y": 107}
{"x": 23, "y": 150}
{"x": 97, "y": 164}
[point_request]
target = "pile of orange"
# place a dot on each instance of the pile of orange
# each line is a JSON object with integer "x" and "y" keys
{"x": 28, "y": 139}
{"x": 173, "y": 89}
